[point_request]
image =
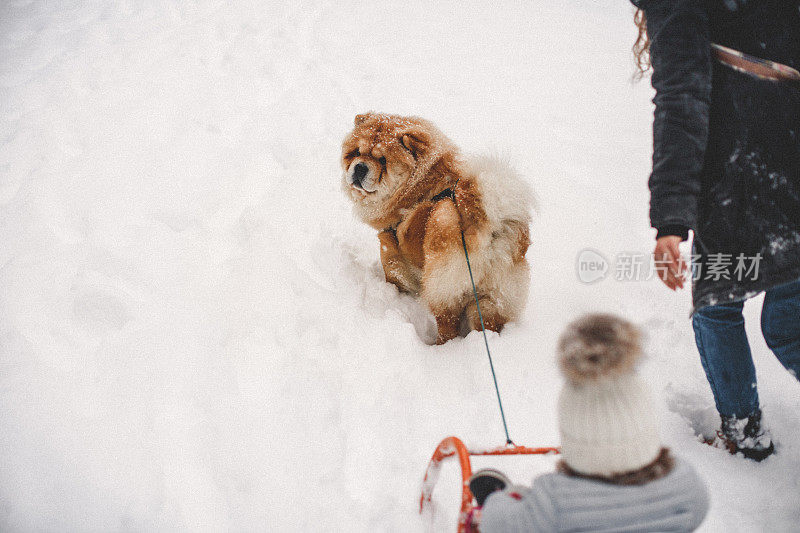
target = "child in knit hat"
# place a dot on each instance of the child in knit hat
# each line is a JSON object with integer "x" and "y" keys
{"x": 613, "y": 475}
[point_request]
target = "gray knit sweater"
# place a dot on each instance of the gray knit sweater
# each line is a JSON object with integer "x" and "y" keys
{"x": 557, "y": 502}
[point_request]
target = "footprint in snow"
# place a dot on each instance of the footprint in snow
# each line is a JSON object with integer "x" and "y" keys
{"x": 695, "y": 409}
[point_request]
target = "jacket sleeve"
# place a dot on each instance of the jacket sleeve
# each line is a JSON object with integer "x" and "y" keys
{"x": 681, "y": 58}
{"x": 519, "y": 510}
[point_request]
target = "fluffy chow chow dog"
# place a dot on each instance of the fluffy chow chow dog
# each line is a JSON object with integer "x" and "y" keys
{"x": 409, "y": 182}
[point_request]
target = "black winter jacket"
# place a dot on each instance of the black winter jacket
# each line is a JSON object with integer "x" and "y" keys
{"x": 726, "y": 145}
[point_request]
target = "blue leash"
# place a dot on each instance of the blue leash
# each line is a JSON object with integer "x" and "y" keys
{"x": 485, "y": 340}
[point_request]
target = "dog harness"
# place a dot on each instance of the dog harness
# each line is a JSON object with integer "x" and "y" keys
{"x": 447, "y": 193}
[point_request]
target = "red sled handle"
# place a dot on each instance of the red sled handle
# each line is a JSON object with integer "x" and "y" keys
{"x": 451, "y": 447}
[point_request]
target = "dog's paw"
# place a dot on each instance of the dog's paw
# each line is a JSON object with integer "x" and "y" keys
{"x": 442, "y": 338}
{"x": 447, "y": 323}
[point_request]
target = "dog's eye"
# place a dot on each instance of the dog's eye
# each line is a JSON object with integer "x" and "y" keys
{"x": 382, "y": 161}
{"x": 354, "y": 153}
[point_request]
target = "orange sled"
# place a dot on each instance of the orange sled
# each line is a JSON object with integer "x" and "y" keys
{"x": 452, "y": 446}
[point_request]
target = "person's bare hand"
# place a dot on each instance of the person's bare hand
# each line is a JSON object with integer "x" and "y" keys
{"x": 669, "y": 262}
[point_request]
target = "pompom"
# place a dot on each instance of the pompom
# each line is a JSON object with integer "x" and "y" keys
{"x": 598, "y": 346}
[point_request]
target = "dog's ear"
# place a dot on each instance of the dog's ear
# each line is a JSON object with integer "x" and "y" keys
{"x": 360, "y": 119}
{"x": 415, "y": 142}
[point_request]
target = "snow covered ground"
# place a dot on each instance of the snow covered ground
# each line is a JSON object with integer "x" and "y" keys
{"x": 195, "y": 334}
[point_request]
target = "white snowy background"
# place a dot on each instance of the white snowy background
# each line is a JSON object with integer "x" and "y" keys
{"x": 195, "y": 334}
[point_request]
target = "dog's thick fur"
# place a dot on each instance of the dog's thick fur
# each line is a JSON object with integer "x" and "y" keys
{"x": 409, "y": 163}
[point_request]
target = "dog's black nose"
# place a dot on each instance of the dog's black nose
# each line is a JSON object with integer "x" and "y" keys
{"x": 359, "y": 171}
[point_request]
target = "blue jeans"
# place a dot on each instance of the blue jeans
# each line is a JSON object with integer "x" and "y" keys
{"x": 725, "y": 352}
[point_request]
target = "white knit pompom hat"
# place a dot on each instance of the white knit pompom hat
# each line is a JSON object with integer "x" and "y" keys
{"x": 605, "y": 413}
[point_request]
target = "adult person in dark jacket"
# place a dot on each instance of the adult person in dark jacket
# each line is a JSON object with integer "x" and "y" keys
{"x": 726, "y": 165}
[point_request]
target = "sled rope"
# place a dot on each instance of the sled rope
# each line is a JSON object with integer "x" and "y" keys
{"x": 485, "y": 340}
